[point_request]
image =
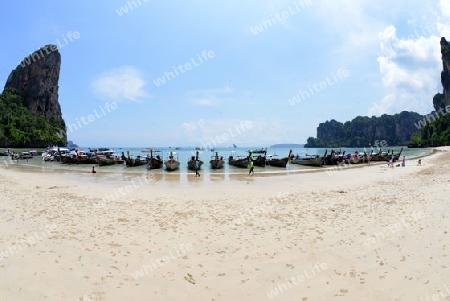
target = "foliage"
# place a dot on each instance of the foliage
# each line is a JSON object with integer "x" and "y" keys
{"x": 438, "y": 102}
{"x": 436, "y": 132}
{"x": 20, "y": 128}
{"x": 363, "y": 131}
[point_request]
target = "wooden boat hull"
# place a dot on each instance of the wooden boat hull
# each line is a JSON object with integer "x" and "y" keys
{"x": 278, "y": 162}
{"x": 318, "y": 161}
{"x": 172, "y": 165}
{"x": 134, "y": 162}
{"x": 216, "y": 164}
{"x": 154, "y": 164}
{"x": 354, "y": 160}
{"x": 191, "y": 164}
{"x": 396, "y": 156}
{"x": 376, "y": 157}
{"x": 259, "y": 161}
{"x": 105, "y": 161}
{"x": 243, "y": 163}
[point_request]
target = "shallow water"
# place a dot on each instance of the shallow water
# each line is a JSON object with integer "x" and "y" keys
{"x": 116, "y": 173}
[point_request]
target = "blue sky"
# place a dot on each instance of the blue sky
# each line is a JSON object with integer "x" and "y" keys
{"x": 248, "y": 62}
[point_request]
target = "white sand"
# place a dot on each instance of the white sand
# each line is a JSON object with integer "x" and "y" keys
{"x": 238, "y": 239}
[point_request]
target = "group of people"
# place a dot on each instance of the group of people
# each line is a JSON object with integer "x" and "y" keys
{"x": 391, "y": 161}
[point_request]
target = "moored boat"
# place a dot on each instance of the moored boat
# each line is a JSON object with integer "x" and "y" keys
{"x": 154, "y": 162}
{"x": 238, "y": 161}
{"x": 216, "y": 162}
{"x": 259, "y": 151}
{"x": 309, "y": 160}
{"x": 172, "y": 163}
{"x": 191, "y": 163}
{"x": 118, "y": 159}
{"x": 273, "y": 160}
{"x": 395, "y": 156}
{"x": 260, "y": 160}
{"x": 104, "y": 161}
{"x": 132, "y": 162}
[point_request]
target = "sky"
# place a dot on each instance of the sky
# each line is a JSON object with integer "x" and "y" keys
{"x": 251, "y": 73}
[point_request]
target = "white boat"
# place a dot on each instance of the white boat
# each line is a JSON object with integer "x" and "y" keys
{"x": 51, "y": 153}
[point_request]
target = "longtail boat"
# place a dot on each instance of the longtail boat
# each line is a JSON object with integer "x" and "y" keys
{"x": 132, "y": 162}
{"x": 172, "y": 164}
{"x": 309, "y": 160}
{"x": 104, "y": 161}
{"x": 216, "y": 162}
{"x": 276, "y": 162}
{"x": 192, "y": 161}
{"x": 238, "y": 161}
{"x": 260, "y": 160}
{"x": 154, "y": 162}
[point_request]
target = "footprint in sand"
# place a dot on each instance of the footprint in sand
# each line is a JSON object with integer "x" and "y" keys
{"x": 189, "y": 278}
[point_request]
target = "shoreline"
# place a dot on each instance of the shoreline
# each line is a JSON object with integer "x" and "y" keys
{"x": 260, "y": 171}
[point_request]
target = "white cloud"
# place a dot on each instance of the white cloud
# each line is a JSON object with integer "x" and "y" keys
{"x": 444, "y": 5}
{"x": 120, "y": 83}
{"x": 410, "y": 70}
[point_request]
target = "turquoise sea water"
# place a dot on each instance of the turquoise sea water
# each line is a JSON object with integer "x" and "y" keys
{"x": 184, "y": 154}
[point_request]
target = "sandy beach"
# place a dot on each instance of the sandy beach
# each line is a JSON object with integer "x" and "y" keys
{"x": 370, "y": 233}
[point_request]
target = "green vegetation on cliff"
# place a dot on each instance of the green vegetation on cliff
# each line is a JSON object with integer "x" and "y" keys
{"x": 436, "y": 130}
{"x": 19, "y": 127}
{"x": 365, "y": 131}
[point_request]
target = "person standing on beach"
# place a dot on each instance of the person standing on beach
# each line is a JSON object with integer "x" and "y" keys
{"x": 403, "y": 161}
{"x": 197, "y": 174}
{"x": 251, "y": 168}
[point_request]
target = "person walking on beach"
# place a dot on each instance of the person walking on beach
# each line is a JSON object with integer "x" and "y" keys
{"x": 403, "y": 161}
{"x": 251, "y": 168}
{"x": 197, "y": 164}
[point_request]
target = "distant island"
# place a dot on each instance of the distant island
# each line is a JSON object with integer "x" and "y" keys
{"x": 287, "y": 145}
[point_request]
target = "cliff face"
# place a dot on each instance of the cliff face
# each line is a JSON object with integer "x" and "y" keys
{"x": 445, "y": 74}
{"x": 36, "y": 80}
{"x": 330, "y": 130}
{"x": 30, "y": 113}
{"x": 364, "y": 131}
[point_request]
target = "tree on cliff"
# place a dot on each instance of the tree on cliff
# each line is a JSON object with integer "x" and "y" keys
{"x": 30, "y": 113}
{"x": 363, "y": 131}
{"x": 20, "y": 128}
{"x": 436, "y": 130}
